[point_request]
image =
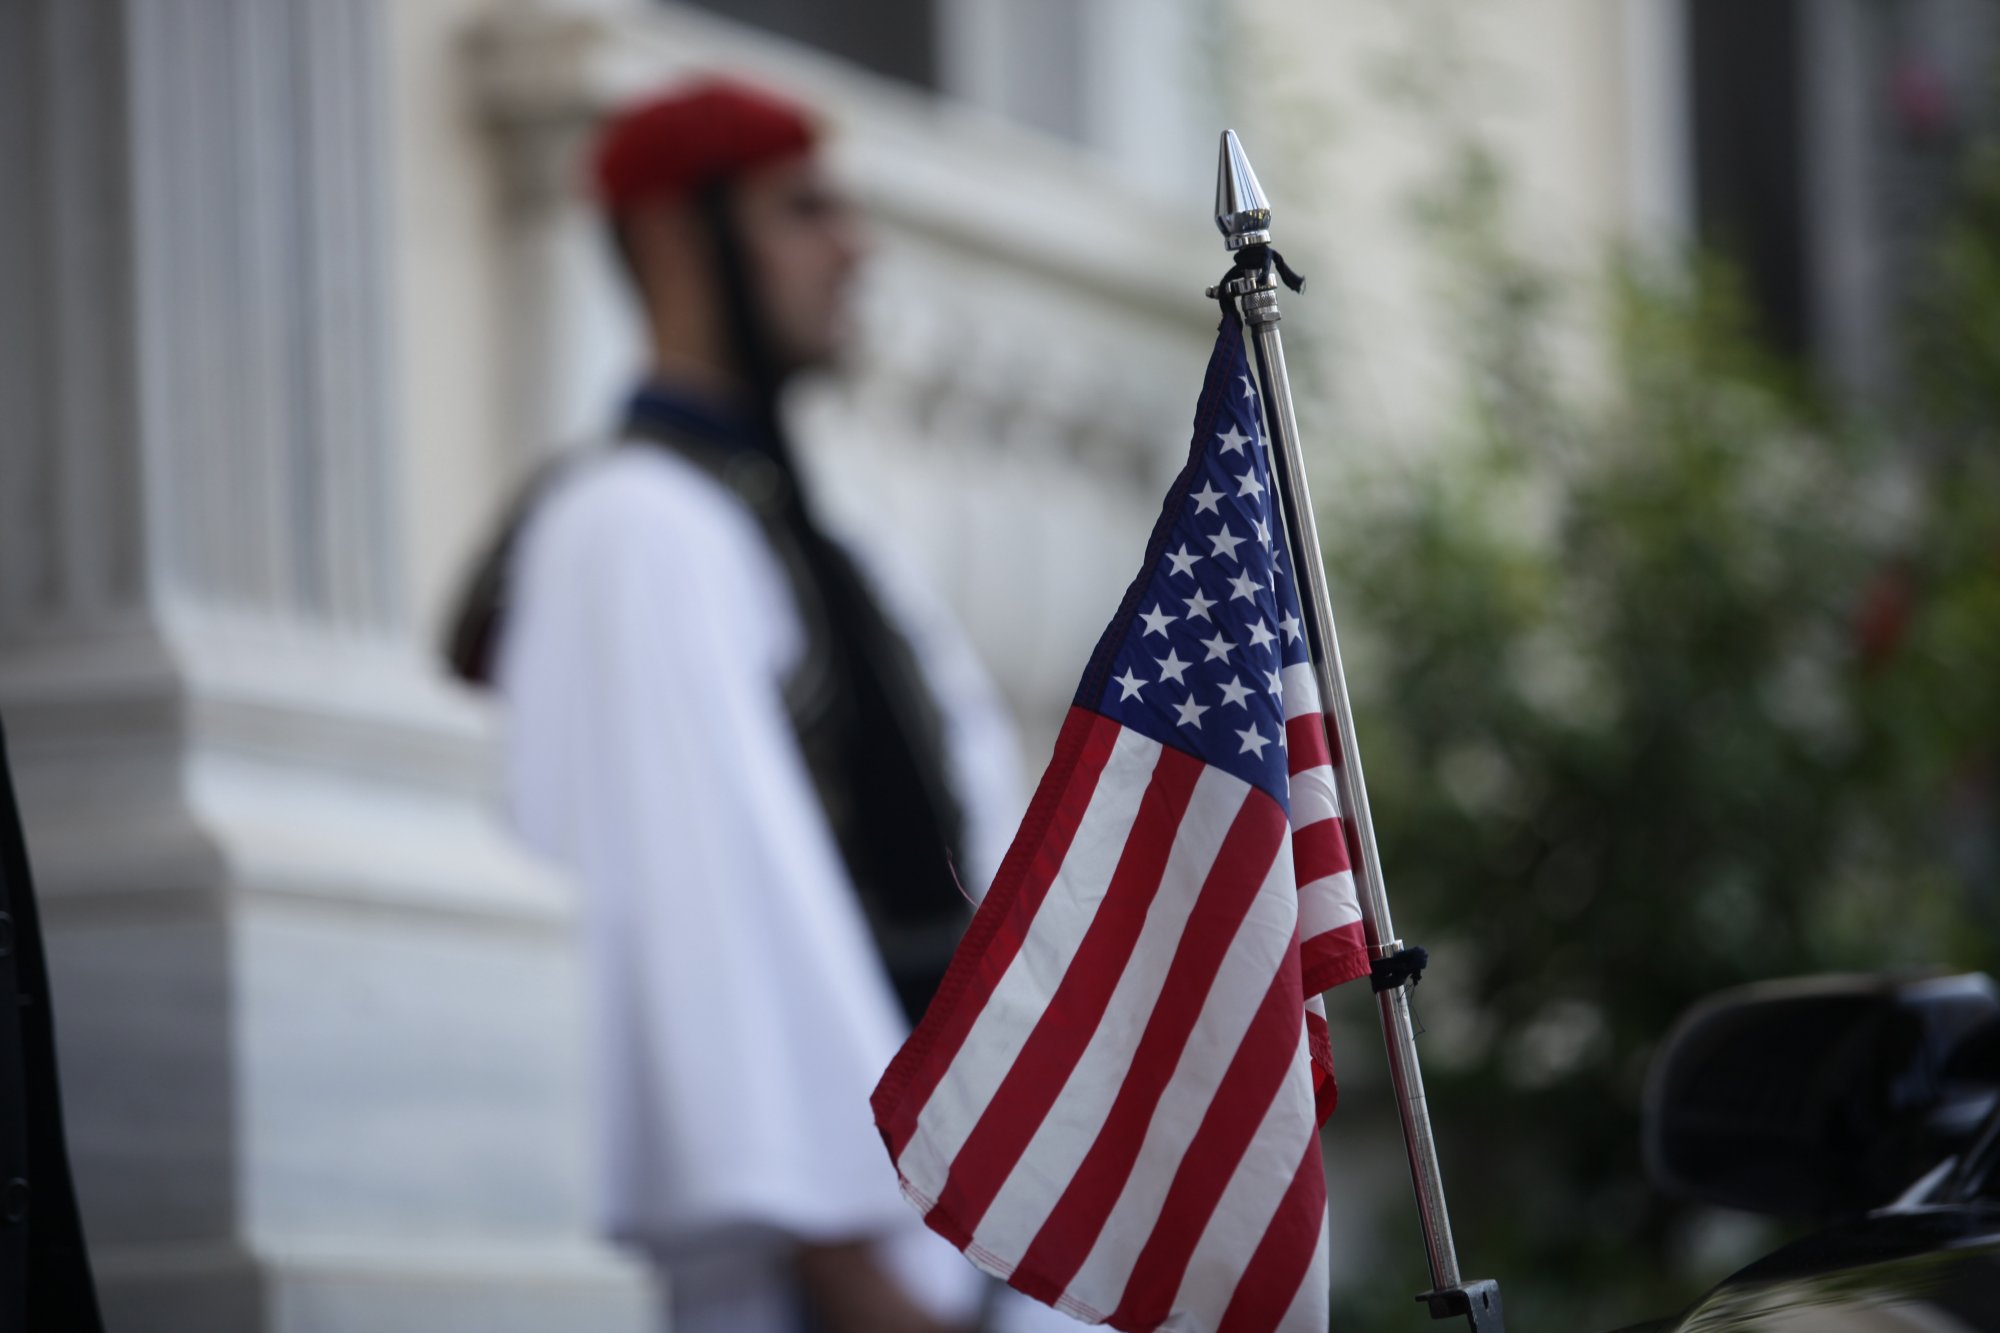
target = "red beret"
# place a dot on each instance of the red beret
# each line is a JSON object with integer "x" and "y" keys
{"x": 698, "y": 134}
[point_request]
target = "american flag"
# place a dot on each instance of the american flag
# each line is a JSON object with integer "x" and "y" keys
{"x": 1113, "y": 1103}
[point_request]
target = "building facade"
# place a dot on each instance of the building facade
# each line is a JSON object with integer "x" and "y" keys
{"x": 295, "y": 291}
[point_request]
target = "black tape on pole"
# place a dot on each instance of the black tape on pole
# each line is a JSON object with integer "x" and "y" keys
{"x": 1405, "y": 965}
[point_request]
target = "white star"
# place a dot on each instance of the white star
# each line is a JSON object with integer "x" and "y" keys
{"x": 1171, "y": 666}
{"x": 1156, "y": 620}
{"x": 1233, "y": 441}
{"x": 1276, "y": 686}
{"x": 1205, "y": 498}
{"x": 1290, "y": 625}
{"x": 1249, "y": 389}
{"x": 1218, "y": 648}
{"x": 1183, "y": 561}
{"x": 1189, "y": 714}
{"x": 1247, "y": 484}
{"x": 1245, "y": 586}
{"x": 1260, "y": 635}
{"x": 1198, "y": 605}
{"x": 1253, "y": 740}
{"x": 1235, "y": 692}
{"x": 1263, "y": 530}
{"x": 1128, "y": 685}
{"x": 1226, "y": 542}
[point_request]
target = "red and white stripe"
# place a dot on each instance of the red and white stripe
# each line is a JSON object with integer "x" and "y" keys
{"x": 1332, "y": 946}
{"x": 1113, "y": 1103}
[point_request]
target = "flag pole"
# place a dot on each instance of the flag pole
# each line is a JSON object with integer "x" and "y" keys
{"x": 1244, "y": 217}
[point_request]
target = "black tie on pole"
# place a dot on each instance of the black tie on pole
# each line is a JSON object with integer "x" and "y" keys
{"x": 1256, "y": 262}
{"x": 1399, "y": 967}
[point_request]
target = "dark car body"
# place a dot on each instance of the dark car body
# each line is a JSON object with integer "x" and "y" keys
{"x": 1927, "y": 1270}
{"x": 1871, "y": 1101}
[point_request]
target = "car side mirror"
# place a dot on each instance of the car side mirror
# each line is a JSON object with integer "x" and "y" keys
{"x": 1822, "y": 1095}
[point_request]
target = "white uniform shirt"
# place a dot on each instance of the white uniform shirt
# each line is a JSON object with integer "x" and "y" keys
{"x": 740, "y": 1016}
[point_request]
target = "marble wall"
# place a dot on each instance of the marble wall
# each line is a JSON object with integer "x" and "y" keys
{"x": 317, "y": 1015}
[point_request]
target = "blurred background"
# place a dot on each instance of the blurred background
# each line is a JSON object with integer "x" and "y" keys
{"x": 1651, "y": 362}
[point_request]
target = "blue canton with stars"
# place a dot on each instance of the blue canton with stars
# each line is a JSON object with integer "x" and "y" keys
{"x": 1195, "y": 657}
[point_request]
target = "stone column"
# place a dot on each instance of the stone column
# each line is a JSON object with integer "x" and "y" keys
{"x": 317, "y": 1017}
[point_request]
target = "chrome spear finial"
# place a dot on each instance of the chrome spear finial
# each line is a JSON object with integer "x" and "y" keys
{"x": 1242, "y": 214}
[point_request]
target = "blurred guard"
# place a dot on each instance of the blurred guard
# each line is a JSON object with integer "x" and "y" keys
{"x": 45, "y": 1278}
{"x": 763, "y": 775}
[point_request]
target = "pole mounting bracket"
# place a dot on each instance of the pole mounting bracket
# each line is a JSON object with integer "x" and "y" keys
{"x": 1478, "y": 1302}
